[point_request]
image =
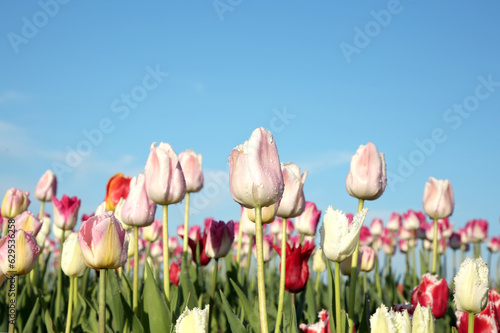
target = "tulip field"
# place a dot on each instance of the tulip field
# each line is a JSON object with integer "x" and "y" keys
{"x": 121, "y": 271}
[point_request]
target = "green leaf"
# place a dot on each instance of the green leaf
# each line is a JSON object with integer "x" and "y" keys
{"x": 126, "y": 289}
{"x": 48, "y": 322}
{"x": 131, "y": 319}
{"x": 234, "y": 322}
{"x": 89, "y": 322}
{"x": 311, "y": 312}
{"x": 250, "y": 312}
{"x": 186, "y": 283}
{"x": 113, "y": 301}
{"x": 155, "y": 306}
{"x": 294, "y": 328}
{"x": 331, "y": 295}
{"x": 454, "y": 330}
{"x": 31, "y": 320}
{"x": 364, "y": 325}
{"x": 423, "y": 266}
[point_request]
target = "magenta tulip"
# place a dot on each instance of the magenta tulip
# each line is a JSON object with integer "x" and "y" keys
{"x": 66, "y": 212}
{"x": 307, "y": 222}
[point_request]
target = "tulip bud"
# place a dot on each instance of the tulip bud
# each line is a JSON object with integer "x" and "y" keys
{"x": 152, "y": 232}
{"x": 365, "y": 236}
{"x": 319, "y": 264}
{"x": 255, "y": 177}
{"x": 247, "y": 226}
{"x": 220, "y": 237}
{"x": 493, "y": 245}
{"x": 118, "y": 214}
{"x": 376, "y": 227}
{"x": 104, "y": 242}
{"x": 174, "y": 273}
{"x": 165, "y": 182}
{"x": 366, "y": 258}
{"x": 46, "y": 187}
{"x": 455, "y": 242}
{"x": 24, "y": 256}
{"x": 367, "y": 176}
{"x": 191, "y": 167}
{"x": 410, "y": 220}
{"x": 394, "y": 223}
{"x": 423, "y": 321}
{"x": 72, "y": 260}
{"x": 431, "y": 292}
{"x": 297, "y": 269}
{"x": 471, "y": 286}
{"x": 14, "y": 202}
{"x": 307, "y": 222}
{"x": 438, "y": 198}
{"x": 193, "y": 321}
{"x": 292, "y": 203}
{"x": 338, "y": 238}
{"x": 66, "y": 212}
{"x": 138, "y": 210}
{"x": 28, "y": 222}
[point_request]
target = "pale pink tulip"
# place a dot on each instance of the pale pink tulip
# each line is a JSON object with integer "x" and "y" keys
{"x": 438, "y": 198}
{"x": 307, "y": 222}
{"x": 25, "y": 253}
{"x": 152, "y": 232}
{"x": 366, "y": 258}
{"x": 28, "y": 222}
{"x": 14, "y": 202}
{"x": 191, "y": 167}
{"x": 394, "y": 223}
{"x": 138, "y": 210}
{"x": 293, "y": 202}
{"x": 411, "y": 220}
{"x": 46, "y": 187}
{"x": 376, "y": 227}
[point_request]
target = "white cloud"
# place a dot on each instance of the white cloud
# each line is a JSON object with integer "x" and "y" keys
{"x": 11, "y": 96}
{"x": 325, "y": 160}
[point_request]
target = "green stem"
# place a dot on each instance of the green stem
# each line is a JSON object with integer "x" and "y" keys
{"x": 377, "y": 279}
{"x": 471, "y": 322}
{"x": 212, "y": 293}
{"x": 249, "y": 257}
{"x": 365, "y": 289}
{"x": 413, "y": 249}
{"x": 42, "y": 206}
{"x": 337, "y": 297}
{"x": 186, "y": 225}
{"x": 102, "y": 300}
{"x": 135, "y": 283}
{"x": 435, "y": 247}
{"x": 75, "y": 292}
{"x": 454, "y": 262}
{"x": 238, "y": 251}
{"x": 260, "y": 271}
{"x": 301, "y": 235}
{"x": 70, "y": 305}
{"x": 279, "y": 314}
{"x": 462, "y": 253}
{"x": 316, "y": 289}
{"x": 59, "y": 279}
{"x": 148, "y": 251}
{"x": 354, "y": 275}
{"x": 166, "y": 280}
{"x": 12, "y": 300}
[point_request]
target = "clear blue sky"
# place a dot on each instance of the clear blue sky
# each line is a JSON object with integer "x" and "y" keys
{"x": 421, "y": 80}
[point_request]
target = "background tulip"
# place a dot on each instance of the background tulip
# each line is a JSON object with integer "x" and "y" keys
{"x": 307, "y": 222}
{"x": 72, "y": 260}
{"x": 14, "y": 202}
{"x": 394, "y": 223}
{"x": 322, "y": 326}
{"x": 28, "y": 222}
{"x": 138, "y": 210}
{"x": 431, "y": 292}
{"x": 25, "y": 254}
{"x": 152, "y": 232}
{"x": 367, "y": 177}
{"x": 267, "y": 248}
{"x": 297, "y": 269}
{"x": 220, "y": 237}
{"x": 471, "y": 286}
{"x": 165, "y": 183}
{"x": 174, "y": 273}
{"x": 268, "y": 213}
{"x": 255, "y": 177}
{"x": 46, "y": 187}
{"x": 104, "y": 242}
{"x": 422, "y": 321}
{"x": 410, "y": 220}
{"x": 191, "y": 168}
{"x": 193, "y": 321}
{"x": 116, "y": 188}
{"x": 319, "y": 264}
{"x": 477, "y": 230}
{"x": 66, "y": 212}
{"x": 338, "y": 238}
{"x": 376, "y": 227}
{"x": 293, "y": 202}
{"x": 486, "y": 321}
{"x": 438, "y": 198}
{"x": 367, "y": 257}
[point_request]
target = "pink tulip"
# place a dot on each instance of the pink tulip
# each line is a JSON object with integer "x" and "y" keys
{"x": 220, "y": 237}
{"x": 388, "y": 242}
{"x": 194, "y": 232}
{"x": 152, "y": 232}
{"x": 394, "y": 223}
{"x": 165, "y": 183}
{"x": 477, "y": 230}
{"x": 22, "y": 260}
{"x": 104, "y": 242}
{"x": 293, "y": 202}
{"x": 191, "y": 167}
{"x": 367, "y": 176}
{"x": 411, "y": 220}
{"x": 46, "y": 187}
{"x": 294, "y": 240}
{"x": 438, "y": 198}
{"x": 174, "y": 273}
{"x": 406, "y": 234}
{"x": 429, "y": 233}
{"x": 376, "y": 227}
{"x": 255, "y": 177}
{"x": 66, "y": 211}
{"x": 156, "y": 250}
{"x": 493, "y": 245}
{"x": 365, "y": 236}
{"x": 14, "y": 202}
{"x": 173, "y": 243}
{"x": 28, "y": 222}
{"x": 138, "y": 210}
{"x": 307, "y": 222}
{"x": 366, "y": 258}
{"x": 447, "y": 227}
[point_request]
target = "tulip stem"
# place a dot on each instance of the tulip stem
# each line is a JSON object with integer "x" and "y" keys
{"x": 302, "y": 239}
{"x": 148, "y": 252}
{"x": 59, "y": 278}
{"x": 75, "y": 291}
{"x": 279, "y": 314}
{"x": 454, "y": 262}
{"x": 471, "y": 322}
{"x": 12, "y": 300}
{"x": 260, "y": 271}
{"x": 42, "y": 206}
{"x": 238, "y": 251}
{"x": 70, "y": 305}
{"x": 377, "y": 279}
{"x": 249, "y": 257}
{"x": 414, "y": 245}
{"x": 354, "y": 275}
{"x": 102, "y": 300}
{"x": 166, "y": 280}
{"x": 186, "y": 224}
{"x": 337, "y": 297}
{"x": 316, "y": 289}
{"x": 435, "y": 247}
{"x": 135, "y": 286}
{"x": 364, "y": 283}
{"x": 212, "y": 292}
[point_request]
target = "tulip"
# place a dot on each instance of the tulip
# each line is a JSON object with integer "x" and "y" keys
{"x": 104, "y": 242}
{"x": 471, "y": 286}
{"x": 194, "y": 232}
{"x": 410, "y": 220}
{"x": 455, "y": 242}
{"x": 174, "y": 272}
{"x": 193, "y": 321}
{"x": 46, "y": 187}
{"x": 477, "y": 230}
{"x": 365, "y": 236}
{"x": 268, "y": 214}
{"x": 293, "y": 202}
{"x": 493, "y": 245}
{"x": 345, "y": 266}
{"x": 486, "y": 321}
{"x": 438, "y": 199}
{"x": 118, "y": 214}
{"x": 446, "y": 227}
{"x": 367, "y": 258}
{"x": 66, "y": 212}
{"x": 220, "y": 237}
{"x": 165, "y": 182}
{"x": 297, "y": 269}
{"x": 14, "y": 202}
{"x": 72, "y": 262}
{"x": 385, "y": 321}
{"x": 322, "y": 326}
{"x": 423, "y": 321}
{"x": 431, "y": 292}
{"x": 191, "y": 167}
{"x": 24, "y": 256}
{"x": 117, "y": 187}
{"x": 138, "y": 210}
{"x": 28, "y": 222}
{"x": 394, "y": 223}
{"x": 307, "y": 222}
{"x": 338, "y": 238}
{"x": 405, "y": 234}
{"x": 278, "y": 223}
{"x": 204, "y": 258}
{"x": 376, "y": 227}
{"x": 367, "y": 176}
{"x": 152, "y": 232}
{"x": 247, "y": 226}
{"x": 255, "y": 176}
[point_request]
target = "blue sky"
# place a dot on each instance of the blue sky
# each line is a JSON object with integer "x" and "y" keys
{"x": 103, "y": 81}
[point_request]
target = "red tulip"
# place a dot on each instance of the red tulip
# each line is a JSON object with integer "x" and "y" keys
{"x": 322, "y": 326}
{"x": 174, "y": 273}
{"x": 431, "y": 292}
{"x": 116, "y": 188}
{"x": 486, "y": 321}
{"x": 204, "y": 259}
{"x": 365, "y": 236}
{"x": 297, "y": 269}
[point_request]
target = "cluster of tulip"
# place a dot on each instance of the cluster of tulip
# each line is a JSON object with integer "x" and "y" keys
{"x": 123, "y": 235}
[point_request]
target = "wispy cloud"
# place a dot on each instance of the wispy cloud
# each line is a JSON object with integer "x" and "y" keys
{"x": 12, "y": 96}
{"x": 325, "y": 160}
